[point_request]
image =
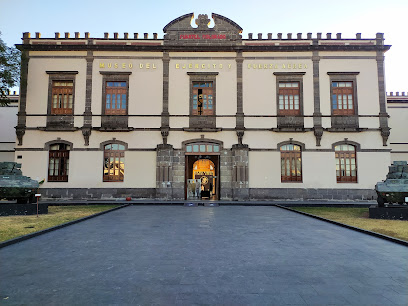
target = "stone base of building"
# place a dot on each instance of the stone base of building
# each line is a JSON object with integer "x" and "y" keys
{"x": 225, "y": 194}
{"x": 390, "y": 213}
{"x": 96, "y": 193}
{"x": 13, "y": 209}
{"x": 311, "y": 194}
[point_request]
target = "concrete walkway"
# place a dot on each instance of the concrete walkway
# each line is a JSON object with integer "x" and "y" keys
{"x": 174, "y": 255}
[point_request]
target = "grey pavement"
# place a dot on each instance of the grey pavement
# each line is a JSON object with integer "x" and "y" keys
{"x": 227, "y": 255}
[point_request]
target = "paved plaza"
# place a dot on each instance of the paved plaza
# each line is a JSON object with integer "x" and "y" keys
{"x": 227, "y": 255}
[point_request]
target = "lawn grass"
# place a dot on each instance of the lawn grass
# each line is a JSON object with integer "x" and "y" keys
{"x": 358, "y": 217}
{"x": 16, "y": 226}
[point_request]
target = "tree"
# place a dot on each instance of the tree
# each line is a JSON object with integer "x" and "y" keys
{"x": 9, "y": 70}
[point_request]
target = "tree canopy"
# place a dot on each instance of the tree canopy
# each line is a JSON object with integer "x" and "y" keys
{"x": 9, "y": 70}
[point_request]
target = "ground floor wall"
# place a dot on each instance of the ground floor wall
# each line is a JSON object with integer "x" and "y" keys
{"x": 245, "y": 171}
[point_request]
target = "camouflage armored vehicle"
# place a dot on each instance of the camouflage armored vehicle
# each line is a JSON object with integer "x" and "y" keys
{"x": 395, "y": 188}
{"x": 15, "y": 186}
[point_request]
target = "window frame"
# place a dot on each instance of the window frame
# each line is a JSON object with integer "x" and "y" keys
{"x": 344, "y": 77}
{"x": 114, "y": 77}
{"x": 291, "y": 154}
{"x": 346, "y": 179}
{"x": 102, "y": 148}
{"x": 203, "y": 121}
{"x": 47, "y": 147}
{"x": 288, "y": 77}
{"x": 60, "y": 121}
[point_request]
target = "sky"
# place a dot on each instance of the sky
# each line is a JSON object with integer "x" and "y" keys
{"x": 348, "y": 17}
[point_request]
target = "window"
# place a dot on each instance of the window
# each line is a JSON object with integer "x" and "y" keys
{"x": 203, "y": 98}
{"x": 342, "y": 98}
{"x": 58, "y": 162}
{"x": 116, "y": 98}
{"x": 289, "y": 98}
{"x": 291, "y": 163}
{"x": 203, "y": 148}
{"x": 346, "y": 169}
{"x": 62, "y": 97}
{"x": 61, "y": 100}
{"x": 114, "y": 163}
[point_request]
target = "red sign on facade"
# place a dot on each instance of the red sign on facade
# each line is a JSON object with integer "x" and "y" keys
{"x": 203, "y": 36}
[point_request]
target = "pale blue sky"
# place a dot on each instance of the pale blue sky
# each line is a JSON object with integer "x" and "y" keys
{"x": 294, "y": 16}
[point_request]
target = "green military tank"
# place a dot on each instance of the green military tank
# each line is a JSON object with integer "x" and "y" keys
{"x": 395, "y": 188}
{"x": 14, "y": 185}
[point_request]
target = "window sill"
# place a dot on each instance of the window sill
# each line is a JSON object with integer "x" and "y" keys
{"x": 291, "y": 129}
{"x": 58, "y": 128}
{"x": 346, "y": 129}
{"x": 188, "y": 129}
{"x": 111, "y": 129}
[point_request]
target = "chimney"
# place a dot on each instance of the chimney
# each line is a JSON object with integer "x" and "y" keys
{"x": 57, "y": 35}
{"x": 37, "y": 35}
{"x": 106, "y": 35}
{"x": 86, "y": 34}
{"x": 125, "y": 35}
{"x": 76, "y": 34}
{"x": 146, "y": 35}
{"x": 66, "y": 34}
{"x": 136, "y": 35}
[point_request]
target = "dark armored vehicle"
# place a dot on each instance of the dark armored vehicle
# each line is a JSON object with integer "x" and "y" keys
{"x": 395, "y": 188}
{"x": 15, "y": 186}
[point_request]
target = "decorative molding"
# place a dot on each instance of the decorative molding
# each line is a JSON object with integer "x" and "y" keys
{"x": 115, "y": 72}
{"x": 343, "y": 73}
{"x": 290, "y": 73}
{"x": 61, "y": 72}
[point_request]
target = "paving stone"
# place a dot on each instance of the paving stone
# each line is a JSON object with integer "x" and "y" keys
{"x": 171, "y": 255}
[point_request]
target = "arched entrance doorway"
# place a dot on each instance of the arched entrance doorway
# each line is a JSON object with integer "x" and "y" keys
{"x": 202, "y": 170}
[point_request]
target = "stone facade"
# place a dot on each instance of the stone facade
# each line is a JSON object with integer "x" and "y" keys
{"x": 243, "y": 136}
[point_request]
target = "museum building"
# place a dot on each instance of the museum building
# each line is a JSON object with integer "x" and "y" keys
{"x": 204, "y": 111}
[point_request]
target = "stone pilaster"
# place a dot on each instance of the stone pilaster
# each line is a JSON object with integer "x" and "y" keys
{"x": 225, "y": 174}
{"x": 240, "y": 127}
{"x": 87, "y": 127}
{"x": 317, "y": 115}
{"x": 22, "y": 115}
{"x": 165, "y": 111}
{"x": 383, "y": 115}
{"x": 170, "y": 172}
{"x": 240, "y": 180}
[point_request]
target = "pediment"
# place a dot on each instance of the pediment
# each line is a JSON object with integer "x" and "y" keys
{"x": 180, "y": 30}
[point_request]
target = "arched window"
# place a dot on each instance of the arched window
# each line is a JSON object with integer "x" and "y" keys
{"x": 58, "y": 165}
{"x": 114, "y": 163}
{"x": 291, "y": 163}
{"x": 346, "y": 165}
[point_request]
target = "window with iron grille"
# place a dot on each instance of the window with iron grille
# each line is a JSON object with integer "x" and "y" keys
{"x": 58, "y": 165}
{"x": 342, "y": 98}
{"x": 62, "y": 97}
{"x": 116, "y": 93}
{"x": 346, "y": 163}
{"x": 291, "y": 163}
{"x": 114, "y": 163}
{"x": 289, "y": 98}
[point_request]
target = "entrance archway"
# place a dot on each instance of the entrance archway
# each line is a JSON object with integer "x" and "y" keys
{"x": 202, "y": 170}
